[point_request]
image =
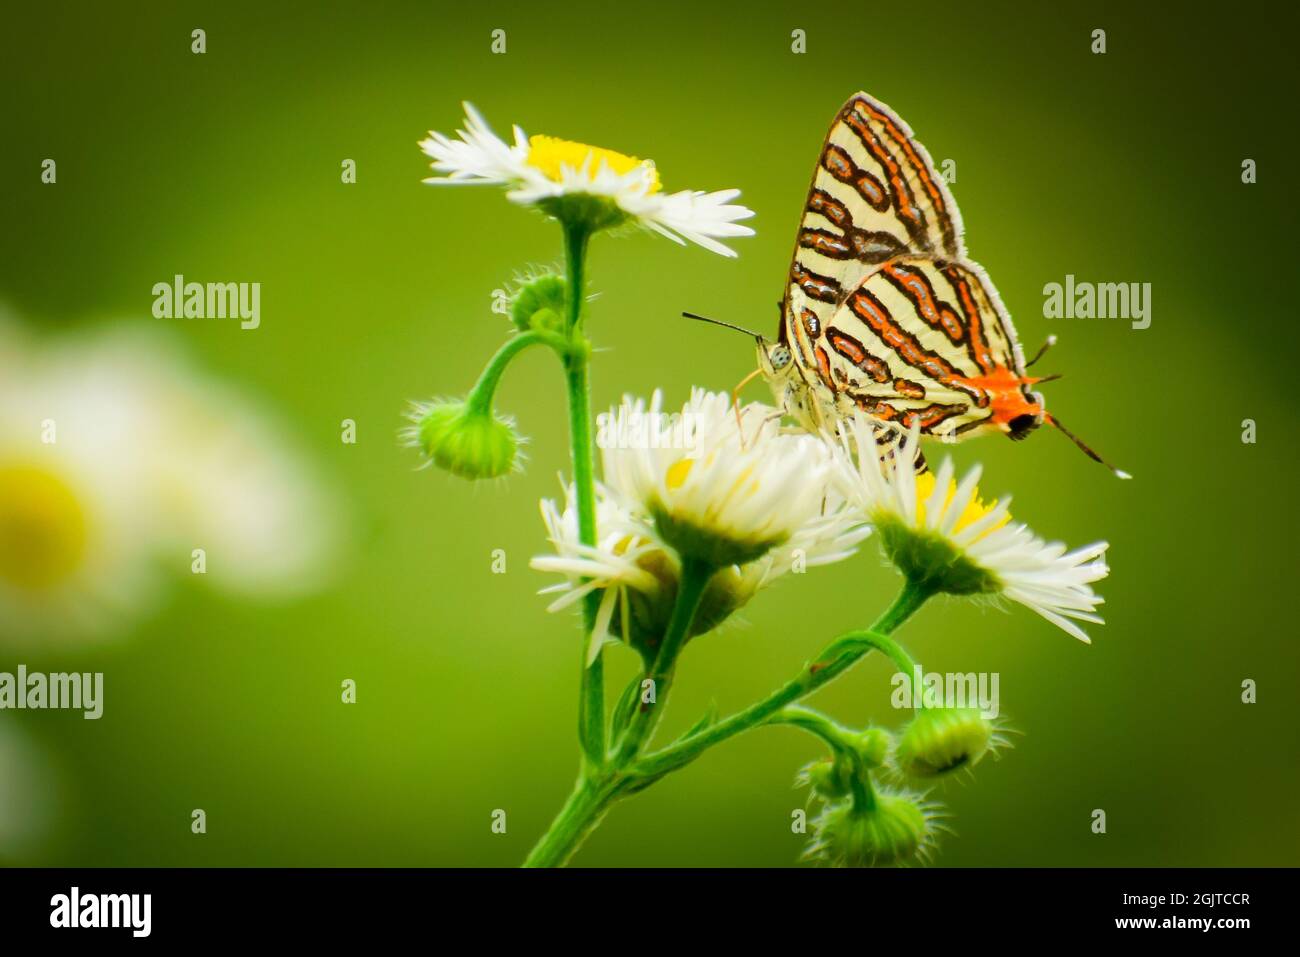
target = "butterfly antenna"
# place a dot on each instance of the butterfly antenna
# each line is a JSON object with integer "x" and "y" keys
{"x": 1119, "y": 473}
{"x": 1051, "y": 341}
{"x": 719, "y": 322}
{"x": 1049, "y": 378}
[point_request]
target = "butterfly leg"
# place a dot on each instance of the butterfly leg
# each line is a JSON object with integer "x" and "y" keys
{"x": 735, "y": 401}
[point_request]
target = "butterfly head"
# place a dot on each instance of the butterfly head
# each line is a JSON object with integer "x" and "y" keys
{"x": 1029, "y": 417}
{"x": 774, "y": 359}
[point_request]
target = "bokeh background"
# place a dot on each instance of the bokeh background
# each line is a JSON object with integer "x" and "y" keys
{"x": 225, "y": 166}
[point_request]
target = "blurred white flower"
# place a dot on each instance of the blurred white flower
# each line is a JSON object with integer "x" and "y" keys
{"x": 546, "y": 172}
{"x": 116, "y": 461}
{"x": 940, "y": 534}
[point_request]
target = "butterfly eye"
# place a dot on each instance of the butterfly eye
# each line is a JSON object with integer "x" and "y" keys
{"x": 779, "y": 357}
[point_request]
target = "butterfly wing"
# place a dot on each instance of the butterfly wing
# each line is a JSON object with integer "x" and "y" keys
{"x": 875, "y": 195}
{"x": 926, "y": 340}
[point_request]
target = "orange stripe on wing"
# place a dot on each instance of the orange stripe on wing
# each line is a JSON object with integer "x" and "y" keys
{"x": 915, "y": 285}
{"x": 931, "y": 188}
{"x": 839, "y": 164}
{"x": 824, "y": 368}
{"x": 856, "y": 353}
{"x": 821, "y": 288}
{"x": 977, "y": 345}
{"x": 877, "y": 318}
{"x": 912, "y": 217}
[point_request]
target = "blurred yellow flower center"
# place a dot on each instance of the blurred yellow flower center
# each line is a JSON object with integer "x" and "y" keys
{"x": 549, "y": 155}
{"x": 974, "y": 511}
{"x": 42, "y": 528}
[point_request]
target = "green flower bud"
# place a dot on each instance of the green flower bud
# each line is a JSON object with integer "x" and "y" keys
{"x": 829, "y": 778}
{"x": 873, "y": 746}
{"x": 898, "y": 829}
{"x": 465, "y": 441}
{"x": 941, "y": 740}
{"x": 540, "y": 303}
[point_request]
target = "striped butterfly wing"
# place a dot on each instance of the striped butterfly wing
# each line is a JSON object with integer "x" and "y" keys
{"x": 875, "y": 196}
{"x": 882, "y": 311}
{"x": 924, "y": 340}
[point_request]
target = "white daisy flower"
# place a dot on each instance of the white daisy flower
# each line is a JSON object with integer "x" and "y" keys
{"x": 655, "y": 507}
{"x": 116, "y": 461}
{"x": 557, "y": 175}
{"x": 619, "y": 564}
{"x": 942, "y": 536}
{"x": 721, "y": 487}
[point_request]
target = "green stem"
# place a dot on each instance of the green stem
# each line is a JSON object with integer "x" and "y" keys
{"x": 695, "y": 578}
{"x": 892, "y": 649}
{"x": 581, "y": 814}
{"x": 480, "y": 397}
{"x": 576, "y": 237}
{"x": 598, "y": 787}
{"x": 816, "y": 723}
{"x": 591, "y": 696}
{"x": 838, "y": 657}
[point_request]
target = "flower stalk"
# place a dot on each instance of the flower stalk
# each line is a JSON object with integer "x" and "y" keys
{"x": 838, "y": 657}
{"x": 696, "y": 575}
{"x": 629, "y": 772}
{"x": 479, "y": 399}
{"x": 591, "y": 703}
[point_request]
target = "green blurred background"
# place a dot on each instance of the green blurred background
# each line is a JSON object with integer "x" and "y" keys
{"x": 1121, "y": 167}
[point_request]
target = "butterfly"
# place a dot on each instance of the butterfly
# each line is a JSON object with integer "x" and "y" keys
{"x": 883, "y": 311}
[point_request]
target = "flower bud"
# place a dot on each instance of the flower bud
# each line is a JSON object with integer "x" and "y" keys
{"x": 940, "y": 740}
{"x": 873, "y": 746}
{"x": 540, "y": 303}
{"x": 829, "y": 778}
{"x": 897, "y": 829}
{"x": 465, "y": 441}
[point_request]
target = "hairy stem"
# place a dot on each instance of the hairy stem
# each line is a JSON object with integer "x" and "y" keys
{"x": 591, "y": 697}
{"x": 835, "y": 659}
{"x": 480, "y": 397}
{"x": 695, "y": 578}
{"x": 581, "y": 814}
{"x": 836, "y": 737}
{"x": 600, "y": 786}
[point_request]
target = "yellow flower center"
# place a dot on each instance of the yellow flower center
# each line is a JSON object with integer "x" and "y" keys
{"x": 549, "y": 154}
{"x": 974, "y": 511}
{"x": 42, "y": 528}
